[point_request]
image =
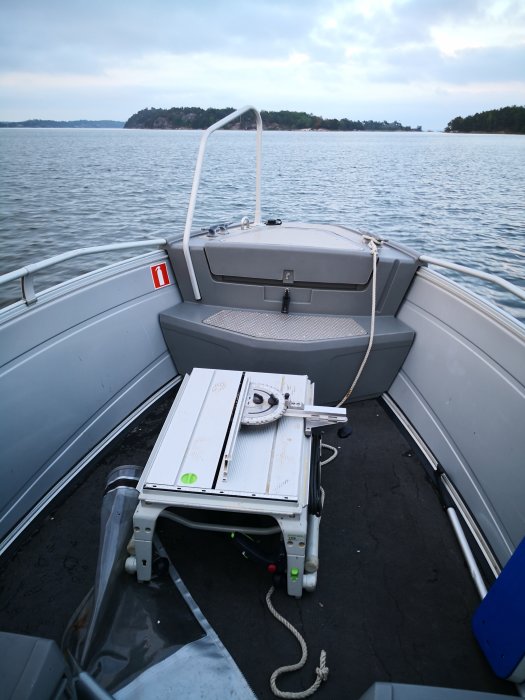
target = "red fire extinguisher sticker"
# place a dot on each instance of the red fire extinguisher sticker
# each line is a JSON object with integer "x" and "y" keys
{"x": 159, "y": 273}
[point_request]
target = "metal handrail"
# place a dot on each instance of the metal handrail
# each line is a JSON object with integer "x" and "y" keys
{"x": 196, "y": 181}
{"x": 26, "y": 273}
{"x": 488, "y": 277}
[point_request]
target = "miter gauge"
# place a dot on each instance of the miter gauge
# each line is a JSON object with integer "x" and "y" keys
{"x": 265, "y": 404}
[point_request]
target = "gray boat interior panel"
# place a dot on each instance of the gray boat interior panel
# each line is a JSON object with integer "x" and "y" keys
{"x": 265, "y": 251}
{"x": 69, "y": 384}
{"x": 331, "y": 362}
{"x": 32, "y": 668}
{"x": 74, "y": 302}
{"x": 327, "y": 269}
{"x": 405, "y": 691}
{"x": 462, "y": 387}
{"x": 325, "y": 272}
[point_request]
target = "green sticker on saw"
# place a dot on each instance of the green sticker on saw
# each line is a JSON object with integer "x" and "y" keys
{"x": 188, "y": 478}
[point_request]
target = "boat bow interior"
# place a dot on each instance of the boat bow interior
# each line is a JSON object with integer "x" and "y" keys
{"x": 433, "y": 382}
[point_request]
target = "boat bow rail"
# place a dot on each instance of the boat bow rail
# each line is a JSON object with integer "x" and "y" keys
{"x": 26, "y": 274}
{"x": 196, "y": 182}
{"x": 478, "y": 274}
{"x": 321, "y": 272}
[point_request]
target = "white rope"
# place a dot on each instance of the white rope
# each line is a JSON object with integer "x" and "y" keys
{"x": 373, "y": 247}
{"x": 334, "y": 454}
{"x": 321, "y": 671}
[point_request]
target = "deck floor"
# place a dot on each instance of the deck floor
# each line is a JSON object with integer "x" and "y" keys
{"x": 393, "y": 601}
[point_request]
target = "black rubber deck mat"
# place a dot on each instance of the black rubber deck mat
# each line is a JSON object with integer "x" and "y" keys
{"x": 394, "y": 598}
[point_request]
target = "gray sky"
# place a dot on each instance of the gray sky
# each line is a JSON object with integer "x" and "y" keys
{"x": 421, "y": 62}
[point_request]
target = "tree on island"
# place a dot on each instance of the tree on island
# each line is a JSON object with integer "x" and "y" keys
{"x": 507, "y": 120}
{"x": 52, "y": 124}
{"x": 198, "y": 118}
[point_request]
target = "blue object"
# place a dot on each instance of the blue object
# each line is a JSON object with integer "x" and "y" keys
{"x": 499, "y": 621}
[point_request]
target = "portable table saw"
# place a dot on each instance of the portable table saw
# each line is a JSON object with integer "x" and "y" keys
{"x": 238, "y": 442}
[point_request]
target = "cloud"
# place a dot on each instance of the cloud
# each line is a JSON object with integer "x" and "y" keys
{"x": 71, "y": 37}
{"x": 333, "y": 57}
{"x": 480, "y": 65}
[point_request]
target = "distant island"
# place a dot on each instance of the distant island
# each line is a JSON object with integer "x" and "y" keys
{"x": 198, "y": 118}
{"x": 51, "y": 124}
{"x": 507, "y": 120}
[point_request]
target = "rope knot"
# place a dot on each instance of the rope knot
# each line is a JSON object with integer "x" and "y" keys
{"x": 322, "y": 670}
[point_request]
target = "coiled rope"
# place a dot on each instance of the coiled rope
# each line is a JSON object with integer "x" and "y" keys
{"x": 321, "y": 671}
{"x": 372, "y": 244}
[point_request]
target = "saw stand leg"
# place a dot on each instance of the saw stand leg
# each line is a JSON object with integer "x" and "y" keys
{"x": 294, "y": 529}
{"x": 144, "y": 521}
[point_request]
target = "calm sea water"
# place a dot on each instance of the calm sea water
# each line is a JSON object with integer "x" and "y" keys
{"x": 460, "y": 197}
